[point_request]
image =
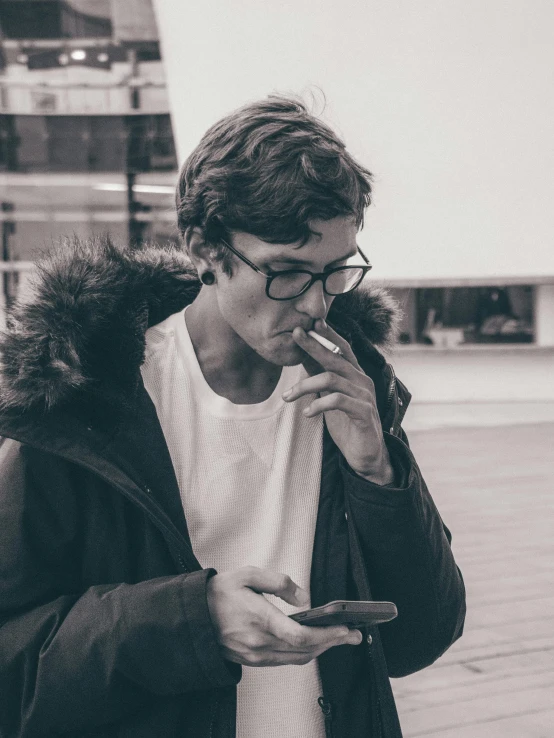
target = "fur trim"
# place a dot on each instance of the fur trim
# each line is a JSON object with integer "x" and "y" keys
{"x": 81, "y": 330}
{"x": 375, "y": 313}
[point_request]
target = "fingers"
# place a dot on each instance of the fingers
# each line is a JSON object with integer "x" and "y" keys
{"x": 287, "y": 633}
{"x": 318, "y": 356}
{"x": 286, "y": 641}
{"x": 296, "y": 637}
{"x": 251, "y": 630}
{"x": 325, "y": 330}
{"x": 270, "y": 582}
{"x": 337, "y": 401}
{"x": 362, "y": 389}
{"x": 322, "y": 355}
{"x": 279, "y": 656}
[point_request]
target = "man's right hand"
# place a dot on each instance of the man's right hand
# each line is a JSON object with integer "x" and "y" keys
{"x": 253, "y": 632}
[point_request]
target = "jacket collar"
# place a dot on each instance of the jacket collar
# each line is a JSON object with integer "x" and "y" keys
{"x": 79, "y": 336}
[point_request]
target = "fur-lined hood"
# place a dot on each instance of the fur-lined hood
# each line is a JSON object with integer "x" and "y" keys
{"x": 80, "y": 330}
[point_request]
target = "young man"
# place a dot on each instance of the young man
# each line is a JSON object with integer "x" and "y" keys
{"x": 186, "y": 465}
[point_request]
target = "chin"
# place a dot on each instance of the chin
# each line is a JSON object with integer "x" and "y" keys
{"x": 286, "y": 353}
{"x": 290, "y": 356}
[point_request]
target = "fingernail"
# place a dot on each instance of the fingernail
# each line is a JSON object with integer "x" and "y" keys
{"x": 286, "y": 394}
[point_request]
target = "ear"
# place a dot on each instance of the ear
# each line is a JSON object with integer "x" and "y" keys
{"x": 201, "y": 253}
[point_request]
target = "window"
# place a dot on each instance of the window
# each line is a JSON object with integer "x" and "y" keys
{"x": 150, "y": 145}
{"x": 68, "y": 143}
{"x": 94, "y": 143}
{"x": 107, "y": 144}
{"x": 8, "y": 159}
{"x": 54, "y": 19}
{"x": 449, "y": 316}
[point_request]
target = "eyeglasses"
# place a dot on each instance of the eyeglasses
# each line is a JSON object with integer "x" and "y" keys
{"x": 287, "y": 285}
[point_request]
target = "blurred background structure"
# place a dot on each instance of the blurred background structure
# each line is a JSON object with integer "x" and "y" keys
{"x": 86, "y": 145}
{"x": 448, "y": 104}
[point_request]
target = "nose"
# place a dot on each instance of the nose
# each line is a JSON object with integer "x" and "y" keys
{"x": 314, "y": 302}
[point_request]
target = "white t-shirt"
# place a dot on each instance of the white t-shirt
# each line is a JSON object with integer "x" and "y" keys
{"x": 249, "y": 478}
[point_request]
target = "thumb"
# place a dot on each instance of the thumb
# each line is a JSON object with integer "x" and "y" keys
{"x": 281, "y": 585}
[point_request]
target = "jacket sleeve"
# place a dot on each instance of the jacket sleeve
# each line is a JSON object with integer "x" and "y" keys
{"x": 72, "y": 660}
{"x": 408, "y": 560}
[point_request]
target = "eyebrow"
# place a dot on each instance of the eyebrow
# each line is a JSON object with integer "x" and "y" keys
{"x": 303, "y": 262}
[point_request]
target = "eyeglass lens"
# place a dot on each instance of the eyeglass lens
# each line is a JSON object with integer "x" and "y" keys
{"x": 293, "y": 284}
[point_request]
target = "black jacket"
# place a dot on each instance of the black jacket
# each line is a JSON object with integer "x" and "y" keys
{"x": 104, "y": 624}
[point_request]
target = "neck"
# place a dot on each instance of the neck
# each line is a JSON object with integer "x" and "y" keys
{"x": 229, "y": 365}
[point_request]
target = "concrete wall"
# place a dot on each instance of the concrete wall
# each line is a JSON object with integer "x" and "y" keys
{"x": 544, "y": 315}
{"x": 477, "y": 374}
{"x": 449, "y": 103}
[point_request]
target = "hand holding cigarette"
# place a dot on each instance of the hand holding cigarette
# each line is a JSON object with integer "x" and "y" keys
{"x": 325, "y": 342}
{"x": 345, "y": 395}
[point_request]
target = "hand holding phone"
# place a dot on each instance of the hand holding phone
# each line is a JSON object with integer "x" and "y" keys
{"x": 252, "y": 631}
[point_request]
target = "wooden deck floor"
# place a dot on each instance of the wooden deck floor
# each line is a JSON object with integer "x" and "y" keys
{"x": 495, "y": 489}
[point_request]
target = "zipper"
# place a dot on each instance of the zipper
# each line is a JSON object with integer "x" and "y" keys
{"x": 327, "y": 711}
{"x": 392, "y": 388}
{"x": 390, "y": 395}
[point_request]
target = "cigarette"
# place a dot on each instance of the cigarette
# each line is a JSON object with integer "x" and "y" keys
{"x": 324, "y": 342}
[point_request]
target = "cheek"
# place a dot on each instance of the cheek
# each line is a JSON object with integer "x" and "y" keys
{"x": 245, "y": 305}
{"x": 259, "y": 316}
{"x": 238, "y": 295}
{"x": 249, "y": 305}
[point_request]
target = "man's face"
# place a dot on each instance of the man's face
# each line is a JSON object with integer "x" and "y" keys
{"x": 266, "y": 325}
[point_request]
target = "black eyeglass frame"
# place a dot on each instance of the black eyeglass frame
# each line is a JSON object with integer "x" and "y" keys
{"x": 314, "y": 277}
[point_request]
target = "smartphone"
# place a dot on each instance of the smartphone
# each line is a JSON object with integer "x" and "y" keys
{"x": 355, "y": 614}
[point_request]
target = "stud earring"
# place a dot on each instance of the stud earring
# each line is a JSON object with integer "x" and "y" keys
{"x": 207, "y": 278}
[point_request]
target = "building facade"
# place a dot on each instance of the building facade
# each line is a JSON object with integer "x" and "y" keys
{"x": 86, "y": 143}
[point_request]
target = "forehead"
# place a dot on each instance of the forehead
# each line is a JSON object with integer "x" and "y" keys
{"x": 331, "y": 240}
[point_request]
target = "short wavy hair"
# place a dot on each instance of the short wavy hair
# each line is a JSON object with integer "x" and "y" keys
{"x": 268, "y": 169}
